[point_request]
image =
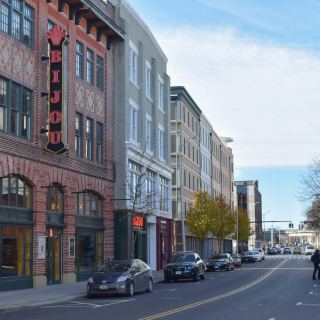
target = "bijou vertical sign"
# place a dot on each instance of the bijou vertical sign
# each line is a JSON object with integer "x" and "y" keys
{"x": 56, "y": 39}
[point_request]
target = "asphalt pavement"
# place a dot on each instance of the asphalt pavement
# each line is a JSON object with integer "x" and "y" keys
{"x": 277, "y": 288}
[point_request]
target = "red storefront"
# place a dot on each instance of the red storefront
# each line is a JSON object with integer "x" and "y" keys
{"x": 165, "y": 244}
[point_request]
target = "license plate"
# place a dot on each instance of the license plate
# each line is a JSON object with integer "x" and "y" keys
{"x": 216, "y": 267}
{"x": 178, "y": 272}
{"x": 103, "y": 287}
{"x": 246, "y": 259}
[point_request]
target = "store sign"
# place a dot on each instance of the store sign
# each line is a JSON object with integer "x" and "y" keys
{"x": 41, "y": 247}
{"x": 56, "y": 39}
{"x": 138, "y": 221}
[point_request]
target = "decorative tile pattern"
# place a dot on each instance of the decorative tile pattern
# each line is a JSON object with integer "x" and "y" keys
{"x": 17, "y": 62}
{"x": 29, "y": 68}
{"x": 100, "y": 106}
{"x": 80, "y": 95}
{"x": 90, "y": 100}
{"x": 5, "y": 55}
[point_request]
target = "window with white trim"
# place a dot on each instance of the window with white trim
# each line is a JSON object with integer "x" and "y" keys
{"x": 135, "y": 182}
{"x": 133, "y": 54}
{"x": 133, "y": 120}
{"x": 148, "y": 79}
{"x": 160, "y": 92}
{"x": 148, "y": 131}
{"x": 164, "y": 188}
{"x": 160, "y": 130}
{"x": 150, "y": 189}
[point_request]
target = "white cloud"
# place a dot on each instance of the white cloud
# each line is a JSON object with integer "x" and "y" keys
{"x": 264, "y": 95}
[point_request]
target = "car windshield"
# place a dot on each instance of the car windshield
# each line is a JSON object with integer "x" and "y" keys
{"x": 178, "y": 258}
{"x": 115, "y": 266}
{"x": 296, "y": 248}
{"x": 219, "y": 256}
{"x": 310, "y": 247}
{"x": 248, "y": 253}
{"x": 235, "y": 256}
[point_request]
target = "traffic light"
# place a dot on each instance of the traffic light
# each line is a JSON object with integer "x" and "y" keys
{"x": 292, "y": 225}
{"x": 289, "y": 225}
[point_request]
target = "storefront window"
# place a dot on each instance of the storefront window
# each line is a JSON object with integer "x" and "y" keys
{"x": 54, "y": 198}
{"x": 16, "y": 251}
{"x": 89, "y": 250}
{"x": 89, "y": 204}
{"x": 15, "y": 192}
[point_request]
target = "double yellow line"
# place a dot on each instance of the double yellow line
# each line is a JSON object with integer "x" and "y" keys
{"x": 193, "y": 305}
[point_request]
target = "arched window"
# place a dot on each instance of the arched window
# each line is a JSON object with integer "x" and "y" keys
{"x": 88, "y": 204}
{"x": 55, "y": 199}
{"x": 15, "y": 192}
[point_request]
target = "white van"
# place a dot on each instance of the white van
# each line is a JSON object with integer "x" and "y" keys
{"x": 310, "y": 249}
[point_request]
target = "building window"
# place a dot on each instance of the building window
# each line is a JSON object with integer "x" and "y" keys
{"x": 55, "y": 199}
{"x": 99, "y": 73}
{"x": 89, "y": 204}
{"x": 133, "y": 53}
{"x": 164, "y": 187}
{"x": 160, "y": 132}
{"x": 78, "y": 142}
{"x": 133, "y": 119}
{"x": 148, "y": 79}
{"x": 148, "y": 132}
{"x": 20, "y": 16}
{"x": 184, "y": 178}
{"x": 15, "y": 110}
{"x": 15, "y": 192}
{"x": 89, "y": 250}
{"x": 90, "y": 58}
{"x": 184, "y": 114}
{"x": 79, "y": 59}
{"x": 16, "y": 251}
{"x": 99, "y": 142}
{"x": 160, "y": 92}
{"x": 150, "y": 189}
{"x": 135, "y": 182}
{"x": 189, "y": 150}
{"x": 89, "y": 139}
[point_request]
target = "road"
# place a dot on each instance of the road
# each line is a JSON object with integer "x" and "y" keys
{"x": 278, "y": 288}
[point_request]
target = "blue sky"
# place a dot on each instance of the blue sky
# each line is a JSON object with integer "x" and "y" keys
{"x": 253, "y": 67}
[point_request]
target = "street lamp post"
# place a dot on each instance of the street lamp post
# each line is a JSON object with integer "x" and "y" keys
{"x": 238, "y": 221}
{"x": 253, "y": 223}
{"x": 264, "y": 227}
{"x": 272, "y": 232}
{"x": 181, "y": 198}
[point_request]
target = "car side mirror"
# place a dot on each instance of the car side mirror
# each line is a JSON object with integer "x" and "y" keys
{"x": 198, "y": 259}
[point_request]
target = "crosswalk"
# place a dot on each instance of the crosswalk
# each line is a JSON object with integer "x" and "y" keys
{"x": 288, "y": 257}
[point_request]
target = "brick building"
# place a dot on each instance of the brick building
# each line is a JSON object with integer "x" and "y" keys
{"x": 56, "y": 218}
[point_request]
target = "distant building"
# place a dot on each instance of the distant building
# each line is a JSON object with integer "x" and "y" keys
{"x": 249, "y": 198}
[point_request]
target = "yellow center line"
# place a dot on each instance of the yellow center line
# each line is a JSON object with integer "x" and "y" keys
{"x": 196, "y": 304}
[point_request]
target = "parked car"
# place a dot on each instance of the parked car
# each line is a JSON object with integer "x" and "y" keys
{"x": 248, "y": 257}
{"x": 263, "y": 257}
{"x": 286, "y": 250}
{"x": 310, "y": 250}
{"x": 223, "y": 261}
{"x": 296, "y": 250}
{"x": 184, "y": 265}
{"x": 121, "y": 276}
{"x": 236, "y": 260}
{"x": 272, "y": 251}
{"x": 257, "y": 256}
{"x": 277, "y": 249}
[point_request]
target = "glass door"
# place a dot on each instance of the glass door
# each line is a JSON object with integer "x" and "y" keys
{"x": 53, "y": 256}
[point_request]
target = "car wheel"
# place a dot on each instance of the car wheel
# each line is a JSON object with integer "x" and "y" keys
{"x": 203, "y": 276}
{"x": 196, "y": 277}
{"x": 167, "y": 280}
{"x": 240, "y": 265}
{"x": 260, "y": 260}
{"x": 300, "y": 253}
{"x": 149, "y": 289}
{"x": 131, "y": 290}
{"x": 175, "y": 280}
{"x": 254, "y": 261}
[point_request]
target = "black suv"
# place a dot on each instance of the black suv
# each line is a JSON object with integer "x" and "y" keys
{"x": 184, "y": 265}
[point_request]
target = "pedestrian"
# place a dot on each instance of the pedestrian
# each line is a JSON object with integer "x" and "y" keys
{"x": 264, "y": 249}
{"x": 316, "y": 259}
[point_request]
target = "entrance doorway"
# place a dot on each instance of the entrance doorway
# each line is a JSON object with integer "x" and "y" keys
{"x": 53, "y": 256}
{"x": 164, "y": 250}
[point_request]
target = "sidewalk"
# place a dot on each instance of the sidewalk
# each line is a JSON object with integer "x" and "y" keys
{"x": 36, "y": 297}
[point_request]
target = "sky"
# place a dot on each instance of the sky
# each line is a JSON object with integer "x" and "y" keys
{"x": 253, "y": 68}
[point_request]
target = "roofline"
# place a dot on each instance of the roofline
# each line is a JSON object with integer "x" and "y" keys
{"x": 127, "y": 5}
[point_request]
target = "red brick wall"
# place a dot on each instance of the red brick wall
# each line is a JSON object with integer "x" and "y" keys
{"x": 29, "y": 158}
